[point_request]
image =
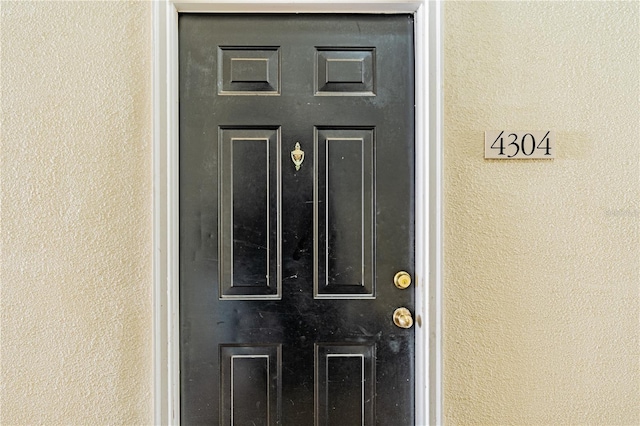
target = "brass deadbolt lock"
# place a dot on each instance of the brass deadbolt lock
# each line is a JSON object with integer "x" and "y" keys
{"x": 402, "y": 280}
{"x": 402, "y": 318}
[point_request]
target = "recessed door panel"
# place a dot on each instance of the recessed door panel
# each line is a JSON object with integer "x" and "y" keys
{"x": 345, "y": 71}
{"x": 249, "y": 200}
{"x": 248, "y": 70}
{"x": 344, "y": 218}
{"x": 345, "y": 384}
{"x": 296, "y": 211}
{"x": 250, "y": 384}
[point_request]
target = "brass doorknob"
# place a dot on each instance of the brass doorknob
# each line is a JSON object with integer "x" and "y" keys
{"x": 402, "y": 280}
{"x": 402, "y": 318}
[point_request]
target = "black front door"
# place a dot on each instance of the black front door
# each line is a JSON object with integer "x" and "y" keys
{"x": 296, "y": 213}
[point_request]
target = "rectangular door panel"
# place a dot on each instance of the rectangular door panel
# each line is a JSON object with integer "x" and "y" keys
{"x": 345, "y": 384}
{"x": 345, "y": 71}
{"x": 248, "y": 70}
{"x": 250, "y": 384}
{"x": 344, "y": 193}
{"x": 249, "y": 200}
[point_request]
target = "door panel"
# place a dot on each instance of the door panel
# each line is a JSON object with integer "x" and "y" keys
{"x": 345, "y": 71}
{"x": 344, "y": 176}
{"x": 248, "y": 71}
{"x": 345, "y": 381}
{"x": 250, "y": 384}
{"x": 286, "y": 275}
{"x": 249, "y": 208}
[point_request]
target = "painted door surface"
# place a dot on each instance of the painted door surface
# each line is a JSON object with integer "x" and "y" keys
{"x": 287, "y": 272}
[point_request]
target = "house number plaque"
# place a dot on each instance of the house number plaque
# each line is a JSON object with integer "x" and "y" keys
{"x": 519, "y": 144}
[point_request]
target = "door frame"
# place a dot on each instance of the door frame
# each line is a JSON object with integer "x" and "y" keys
{"x": 428, "y": 197}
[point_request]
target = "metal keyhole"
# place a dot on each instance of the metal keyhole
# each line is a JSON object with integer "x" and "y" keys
{"x": 402, "y": 280}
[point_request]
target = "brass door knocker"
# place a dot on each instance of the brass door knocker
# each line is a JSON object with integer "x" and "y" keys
{"x": 297, "y": 156}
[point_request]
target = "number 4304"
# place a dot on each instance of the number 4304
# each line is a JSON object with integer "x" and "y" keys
{"x": 513, "y": 145}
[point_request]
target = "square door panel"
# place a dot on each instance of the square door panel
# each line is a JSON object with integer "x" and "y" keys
{"x": 249, "y": 70}
{"x": 345, "y": 71}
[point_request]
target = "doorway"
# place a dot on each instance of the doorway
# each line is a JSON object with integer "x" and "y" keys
{"x": 296, "y": 206}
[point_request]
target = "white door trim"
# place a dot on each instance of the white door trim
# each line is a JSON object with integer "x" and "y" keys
{"x": 429, "y": 212}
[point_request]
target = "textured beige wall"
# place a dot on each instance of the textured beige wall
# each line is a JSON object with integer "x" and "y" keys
{"x": 543, "y": 257}
{"x": 76, "y": 213}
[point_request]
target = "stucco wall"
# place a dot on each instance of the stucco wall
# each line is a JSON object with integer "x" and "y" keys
{"x": 76, "y": 213}
{"x": 542, "y": 257}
